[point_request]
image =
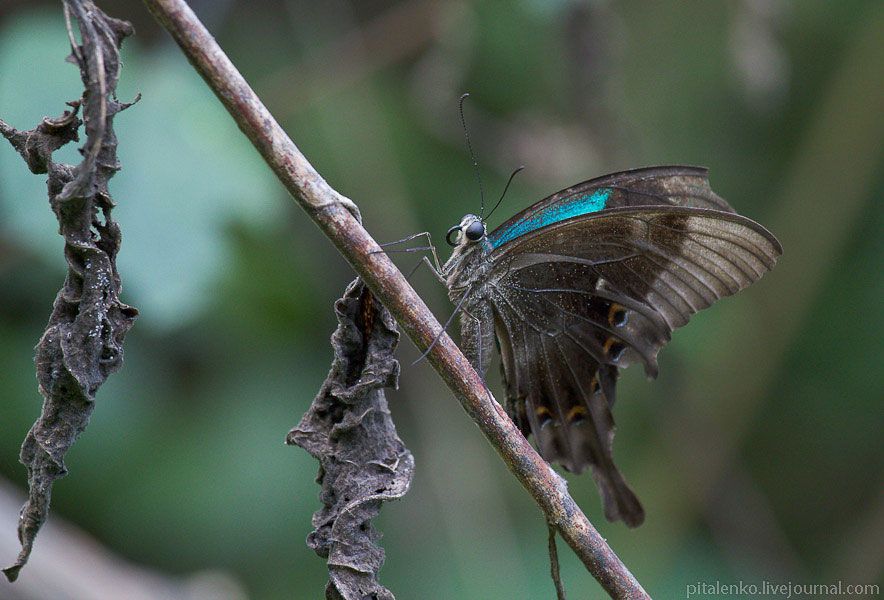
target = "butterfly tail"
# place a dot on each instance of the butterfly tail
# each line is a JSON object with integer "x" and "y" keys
{"x": 569, "y": 413}
{"x": 619, "y": 499}
{"x": 594, "y": 439}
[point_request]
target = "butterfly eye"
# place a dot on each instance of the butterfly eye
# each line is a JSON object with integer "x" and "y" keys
{"x": 475, "y": 231}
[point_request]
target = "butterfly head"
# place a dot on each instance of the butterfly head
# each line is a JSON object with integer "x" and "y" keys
{"x": 470, "y": 230}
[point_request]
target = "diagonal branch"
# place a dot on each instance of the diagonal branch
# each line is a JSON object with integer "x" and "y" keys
{"x": 338, "y": 218}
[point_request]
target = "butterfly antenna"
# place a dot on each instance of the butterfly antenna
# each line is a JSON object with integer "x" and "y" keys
{"x": 466, "y": 134}
{"x": 506, "y": 187}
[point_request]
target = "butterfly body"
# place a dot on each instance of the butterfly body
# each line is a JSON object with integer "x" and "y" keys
{"x": 588, "y": 281}
{"x": 466, "y": 277}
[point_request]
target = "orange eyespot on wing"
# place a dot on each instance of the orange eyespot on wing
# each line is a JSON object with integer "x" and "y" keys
{"x": 614, "y": 348}
{"x": 617, "y": 315}
{"x": 543, "y": 415}
{"x": 576, "y": 414}
{"x": 594, "y": 384}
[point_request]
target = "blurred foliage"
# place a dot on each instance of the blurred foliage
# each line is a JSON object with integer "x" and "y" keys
{"x": 757, "y": 452}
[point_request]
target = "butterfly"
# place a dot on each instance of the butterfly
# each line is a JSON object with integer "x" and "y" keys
{"x": 586, "y": 282}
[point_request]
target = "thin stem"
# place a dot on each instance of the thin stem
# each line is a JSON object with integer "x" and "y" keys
{"x": 335, "y": 215}
{"x": 554, "y": 564}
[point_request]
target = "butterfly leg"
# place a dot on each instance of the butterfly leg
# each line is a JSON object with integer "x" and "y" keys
{"x": 413, "y": 236}
{"x": 435, "y": 266}
{"x": 444, "y": 327}
{"x": 426, "y": 261}
{"x": 430, "y": 246}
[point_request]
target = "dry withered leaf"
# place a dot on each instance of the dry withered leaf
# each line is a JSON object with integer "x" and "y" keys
{"x": 83, "y": 341}
{"x": 363, "y": 463}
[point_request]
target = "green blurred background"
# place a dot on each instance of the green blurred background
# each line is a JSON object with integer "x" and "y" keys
{"x": 757, "y": 452}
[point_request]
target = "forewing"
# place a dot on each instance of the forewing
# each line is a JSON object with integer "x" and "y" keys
{"x": 666, "y": 186}
{"x": 673, "y": 260}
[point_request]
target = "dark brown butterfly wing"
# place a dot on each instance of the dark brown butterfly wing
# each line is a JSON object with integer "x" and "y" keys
{"x": 670, "y": 186}
{"x": 577, "y": 299}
